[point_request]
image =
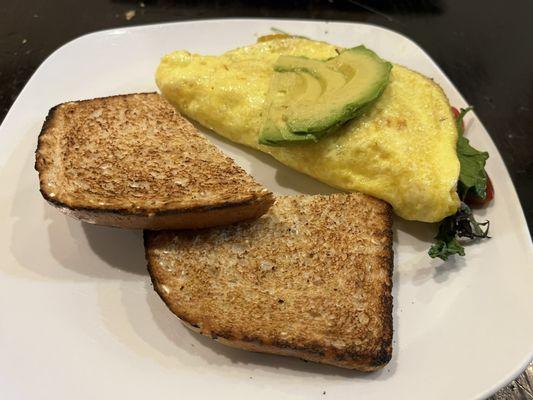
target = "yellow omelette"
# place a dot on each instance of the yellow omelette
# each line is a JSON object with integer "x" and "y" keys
{"x": 403, "y": 150}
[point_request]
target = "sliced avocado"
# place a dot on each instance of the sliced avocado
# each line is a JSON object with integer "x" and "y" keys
{"x": 310, "y": 98}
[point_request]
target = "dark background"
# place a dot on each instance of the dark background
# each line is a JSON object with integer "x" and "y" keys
{"x": 485, "y": 47}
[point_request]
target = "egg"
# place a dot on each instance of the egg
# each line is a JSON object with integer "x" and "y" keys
{"x": 402, "y": 150}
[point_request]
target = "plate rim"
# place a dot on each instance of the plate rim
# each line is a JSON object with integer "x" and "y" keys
{"x": 146, "y": 27}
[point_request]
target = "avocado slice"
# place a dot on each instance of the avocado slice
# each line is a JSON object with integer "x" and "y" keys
{"x": 308, "y": 98}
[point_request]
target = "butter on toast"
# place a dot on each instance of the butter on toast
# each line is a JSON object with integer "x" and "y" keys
{"x": 132, "y": 161}
{"x": 311, "y": 278}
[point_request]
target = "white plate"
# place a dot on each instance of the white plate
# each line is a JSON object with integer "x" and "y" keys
{"x": 79, "y": 319}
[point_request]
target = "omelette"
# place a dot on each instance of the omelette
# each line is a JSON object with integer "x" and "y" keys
{"x": 401, "y": 150}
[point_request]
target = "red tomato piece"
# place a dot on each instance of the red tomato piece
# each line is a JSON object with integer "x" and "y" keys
{"x": 456, "y": 113}
{"x": 476, "y": 202}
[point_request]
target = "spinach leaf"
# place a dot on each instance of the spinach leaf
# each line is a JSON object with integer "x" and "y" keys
{"x": 472, "y": 177}
{"x": 460, "y": 225}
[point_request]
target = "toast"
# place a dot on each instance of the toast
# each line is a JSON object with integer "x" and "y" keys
{"x": 132, "y": 161}
{"x": 309, "y": 279}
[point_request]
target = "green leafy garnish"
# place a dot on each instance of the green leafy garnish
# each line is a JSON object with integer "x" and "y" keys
{"x": 460, "y": 225}
{"x": 472, "y": 176}
{"x": 472, "y": 179}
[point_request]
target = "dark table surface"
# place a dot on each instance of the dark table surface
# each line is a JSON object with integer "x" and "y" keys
{"x": 484, "y": 47}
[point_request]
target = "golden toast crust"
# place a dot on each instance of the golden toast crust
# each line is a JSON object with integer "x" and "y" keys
{"x": 311, "y": 278}
{"x": 132, "y": 161}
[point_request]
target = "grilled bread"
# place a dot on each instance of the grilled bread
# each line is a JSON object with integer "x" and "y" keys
{"x": 309, "y": 279}
{"x": 132, "y": 161}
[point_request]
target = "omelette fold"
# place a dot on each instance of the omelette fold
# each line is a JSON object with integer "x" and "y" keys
{"x": 402, "y": 150}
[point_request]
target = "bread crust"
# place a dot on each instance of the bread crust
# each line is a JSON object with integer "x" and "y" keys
{"x": 192, "y": 213}
{"x": 308, "y": 347}
{"x": 201, "y": 217}
{"x": 357, "y": 362}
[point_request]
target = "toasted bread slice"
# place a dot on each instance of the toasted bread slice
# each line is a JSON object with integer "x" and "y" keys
{"x": 132, "y": 161}
{"x": 310, "y": 279}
